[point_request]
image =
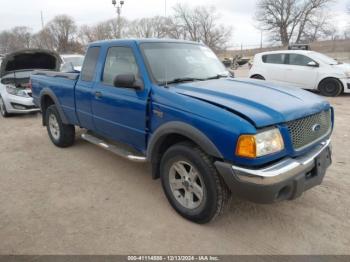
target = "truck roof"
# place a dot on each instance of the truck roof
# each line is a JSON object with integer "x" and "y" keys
{"x": 141, "y": 40}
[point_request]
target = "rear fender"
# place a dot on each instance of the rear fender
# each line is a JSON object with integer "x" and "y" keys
{"x": 49, "y": 93}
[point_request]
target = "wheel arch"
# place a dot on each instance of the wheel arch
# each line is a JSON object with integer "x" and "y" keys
{"x": 173, "y": 133}
{"x": 47, "y": 98}
{"x": 259, "y": 75}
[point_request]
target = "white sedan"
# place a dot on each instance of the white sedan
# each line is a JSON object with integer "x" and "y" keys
{"x": 304, "y": 69}
{"x": 15, "y": 86}
{"x": 72, "y": 63}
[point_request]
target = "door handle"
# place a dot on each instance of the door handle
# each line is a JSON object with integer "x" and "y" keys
{"x": 98, "y": 94}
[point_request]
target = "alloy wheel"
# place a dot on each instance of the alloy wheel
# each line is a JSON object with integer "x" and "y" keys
{"x": 186, "y": 184}
{"x": 54, "y": 127}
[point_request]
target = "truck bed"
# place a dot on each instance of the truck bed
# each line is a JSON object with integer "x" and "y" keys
{"x": 61, "y": 84}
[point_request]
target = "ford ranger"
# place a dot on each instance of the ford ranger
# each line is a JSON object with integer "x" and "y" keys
{"x": 206, "y": 135}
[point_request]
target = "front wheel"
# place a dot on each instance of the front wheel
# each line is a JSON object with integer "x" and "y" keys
{"x": 3, "y": 110}
{"x": 192, "y": 184}
{"x": 61, "y": 135}
{"x": 330, "y": 87}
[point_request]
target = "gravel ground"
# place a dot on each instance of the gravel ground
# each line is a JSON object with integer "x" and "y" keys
{"x": 84, "y": 200}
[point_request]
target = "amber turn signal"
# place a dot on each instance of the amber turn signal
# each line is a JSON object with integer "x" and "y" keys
{"x": 246, "y": 146}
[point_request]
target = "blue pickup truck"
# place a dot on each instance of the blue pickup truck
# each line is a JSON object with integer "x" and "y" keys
{"x": 206, "y": 135}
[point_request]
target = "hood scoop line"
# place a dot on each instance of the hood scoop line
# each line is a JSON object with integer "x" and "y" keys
{"x": 225, "y": 108}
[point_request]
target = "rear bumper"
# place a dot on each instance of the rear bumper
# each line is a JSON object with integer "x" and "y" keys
{"x": 285, "y": 180}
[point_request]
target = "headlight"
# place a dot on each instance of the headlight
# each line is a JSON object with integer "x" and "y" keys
{"x": 16, "y": 91}
{"x": 261, "y": 144}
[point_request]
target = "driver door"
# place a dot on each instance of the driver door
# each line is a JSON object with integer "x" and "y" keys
{"x": 120, "y": 113}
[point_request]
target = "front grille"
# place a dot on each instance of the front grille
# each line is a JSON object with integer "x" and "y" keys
{"x": 305, "y": 131}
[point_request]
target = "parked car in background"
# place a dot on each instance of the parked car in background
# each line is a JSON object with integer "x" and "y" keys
{"x": 304, "y": 69}
{"x": 205, "y": 134}
{"x": 71, "y": 63}
{"x": 15, "y": 70}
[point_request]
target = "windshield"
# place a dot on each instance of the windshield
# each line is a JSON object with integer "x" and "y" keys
{"x": 75, "y": 60}
{"x": 176, "y": 61}
{"x": 325, "y": 59}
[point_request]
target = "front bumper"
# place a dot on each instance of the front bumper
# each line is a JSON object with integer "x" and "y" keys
{"x": 346, "y": 84}
{"x": 284, "y": 180}
{"x": 20, "y": 105}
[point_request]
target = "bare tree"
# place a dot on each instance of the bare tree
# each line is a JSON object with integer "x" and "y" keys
{"x": 63, "y": 32}
{"x": 201, "y": 24}
{"x": 154, "y": 27}
{"x": 43, "y": 39}
{"x": 288, "y": 19}
{"x": 347, "y": 30}
{"x": 15, "y": 39}
{"x": 104, "y": 30}
{"x": 319, "y": 26}
{"x": 114, "y": 25}
{"x": 5, "y": 42}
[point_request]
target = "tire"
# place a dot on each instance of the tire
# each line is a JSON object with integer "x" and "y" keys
{"x": 61, "y": 135}
{"x": 330, "y": 87}
{"x": 259, "y": 77}
{"x": 3, "y": 110}
{"x": 207, "y": 194}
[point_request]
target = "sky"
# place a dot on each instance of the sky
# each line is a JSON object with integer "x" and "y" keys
{"x": 238, "y": 14}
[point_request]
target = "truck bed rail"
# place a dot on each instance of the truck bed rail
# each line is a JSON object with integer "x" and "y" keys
{"x": 71, "y": 76}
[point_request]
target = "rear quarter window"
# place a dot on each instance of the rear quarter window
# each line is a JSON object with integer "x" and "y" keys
{"x": 274, "y": 58}
{"x": 90, "y": 63}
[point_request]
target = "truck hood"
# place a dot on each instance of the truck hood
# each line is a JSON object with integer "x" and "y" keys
{"x": 30, "y": 59}
{"x": 262, "y": 103}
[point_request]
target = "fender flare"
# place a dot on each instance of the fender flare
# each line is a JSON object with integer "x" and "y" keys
{"x": 186, "y": 130}
{"x": 178, "y": 128}
{"x": 51, "y": 94}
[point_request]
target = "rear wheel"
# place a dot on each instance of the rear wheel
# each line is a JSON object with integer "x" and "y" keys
{"x": 61, "y": 135}
{"x": 330, "y": 87}
{"x": 259, "y": 77}
{"x": 192, "y": 184}
{"x": 3, "y": 110}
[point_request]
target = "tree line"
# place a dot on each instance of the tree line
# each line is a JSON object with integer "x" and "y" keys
{"x": 298, "y": 21}
{"x": 286, "y": 21}
{"x": 62, "y": 33}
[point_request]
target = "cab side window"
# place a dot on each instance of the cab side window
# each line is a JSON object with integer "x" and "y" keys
{"x": 296, "y": 59}
{"x": 274, "y": 59}
{"x": 120, "y": 60}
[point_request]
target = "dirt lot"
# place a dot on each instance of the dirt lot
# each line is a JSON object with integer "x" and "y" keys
{"x": 84, "y": 200}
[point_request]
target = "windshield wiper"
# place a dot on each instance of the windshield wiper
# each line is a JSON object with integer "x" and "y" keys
{"x": 218, "y": 76}
{"x": 181, "y": 80}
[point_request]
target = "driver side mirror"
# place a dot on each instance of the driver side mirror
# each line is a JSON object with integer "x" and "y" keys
{"x": 128, "y": 81}
{"x": 313, "y": 64}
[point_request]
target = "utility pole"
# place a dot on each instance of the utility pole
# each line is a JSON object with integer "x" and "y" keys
{"x": 42, "y": 20}
{"x": 119, "y": 12}
{"x": 261, "y": 40}
{"x": 165, "y": 3}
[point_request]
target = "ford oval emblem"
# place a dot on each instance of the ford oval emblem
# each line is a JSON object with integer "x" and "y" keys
{"x": 316, "y": 127}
